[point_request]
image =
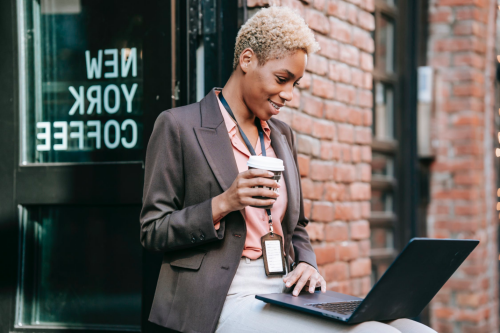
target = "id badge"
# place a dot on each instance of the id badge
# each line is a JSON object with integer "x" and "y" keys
{"x": 272, "y": 251}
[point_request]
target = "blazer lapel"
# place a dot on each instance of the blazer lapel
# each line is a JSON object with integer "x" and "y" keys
{"x": 215, "y": 143}
{"x": 282, "y": 151}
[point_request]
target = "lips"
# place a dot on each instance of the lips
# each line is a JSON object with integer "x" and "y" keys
{"x": 275, "y": 105}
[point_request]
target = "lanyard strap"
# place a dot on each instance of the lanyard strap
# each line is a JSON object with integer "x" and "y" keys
{"x": 249, "y": 145}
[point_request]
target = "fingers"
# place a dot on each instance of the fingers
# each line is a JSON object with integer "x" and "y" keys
{"x": 252, "y": 173}
{"x": 259, "y": 181}
{"x": 306, "y": 274}
{"x": 323, "y": 285}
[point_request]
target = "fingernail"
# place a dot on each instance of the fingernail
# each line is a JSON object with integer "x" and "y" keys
{"x": 295, "y": 293}
{"x": 270, "y": 174}
{"x": 288, "y": 284}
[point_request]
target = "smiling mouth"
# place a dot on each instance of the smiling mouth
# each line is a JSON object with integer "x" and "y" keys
{"x": 276, "y": 106}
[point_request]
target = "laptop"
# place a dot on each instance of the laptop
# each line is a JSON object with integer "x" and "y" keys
{"x": 407, "y": 286}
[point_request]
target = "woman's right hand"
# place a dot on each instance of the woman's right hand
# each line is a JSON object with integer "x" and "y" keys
{"x": 241, "y": 193}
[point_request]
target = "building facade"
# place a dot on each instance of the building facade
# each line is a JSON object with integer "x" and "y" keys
{"x": 395, "y": 120}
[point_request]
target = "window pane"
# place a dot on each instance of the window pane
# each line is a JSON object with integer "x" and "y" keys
{"x": 82, "y": 74}
{"x": 382, "y": 165}
{"x": 81, "y": 267}
{"x": 381, "y": 238}
{"x": 381, "y": 200}
{"x": 385, "y": 45}
{"x": 384, "y": 111}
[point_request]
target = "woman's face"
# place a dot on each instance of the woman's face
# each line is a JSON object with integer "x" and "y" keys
{"x": 267, "y": 88}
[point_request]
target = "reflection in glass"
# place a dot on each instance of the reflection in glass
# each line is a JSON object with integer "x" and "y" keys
{"x": 81, "y": 69}
{"x": 385, "y": 45}
{"x": 382, "y": 165}
{"x": 381, "y": 200}
{"x": 384, "y": 111}
{"x": 81, "y": 267}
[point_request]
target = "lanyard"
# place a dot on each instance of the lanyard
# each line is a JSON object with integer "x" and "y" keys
{"x": 249, "y": 145}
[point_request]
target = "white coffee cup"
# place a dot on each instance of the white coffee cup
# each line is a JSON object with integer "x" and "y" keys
{"x": 272, "y": 164}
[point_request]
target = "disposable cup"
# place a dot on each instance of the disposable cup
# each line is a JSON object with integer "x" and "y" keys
{"x": 275, "y": 165}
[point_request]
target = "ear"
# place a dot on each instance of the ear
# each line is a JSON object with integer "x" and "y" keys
{"x": 247, "y": 57}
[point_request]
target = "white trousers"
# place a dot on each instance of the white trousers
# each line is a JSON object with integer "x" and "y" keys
{"x": 242, "y": 312}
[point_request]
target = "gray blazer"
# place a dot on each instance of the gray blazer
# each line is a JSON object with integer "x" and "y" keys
{"x": 189, "y": 161}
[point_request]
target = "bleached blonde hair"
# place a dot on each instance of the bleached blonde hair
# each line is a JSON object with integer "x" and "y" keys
{"x": 274, "y": 32}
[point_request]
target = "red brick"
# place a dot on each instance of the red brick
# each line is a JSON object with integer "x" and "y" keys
{"x": 471, "y": 13}
{"x": 317, "y": 21}
{"x": 364, "y": 248}
{"x": 365, "y": 98}
{"x": 366, "y": 20}
{"x": 323, "y": 88}
{"x": 308, "y": 145}
{"x": 472, "y": 90}
{"x": 337, "y": 8}
{"x": 468, "y": 28}
{"x": 322, "y": 211}
{"x": 472, "y": 119}
{"x": 312, "y": 190}
{"x": 312, "y": 105}
{"x": 460, "y": 2}
{"x": 366, "y": 153}
{"x": 335, "y": 192}
{"x": 367, "y": 117}
{"x": 345, "y": 133}
{"x": 302, "y": 123}
{"x": 467, "y": 178}
{"x": 345, "y": 153}
{"x": 340, "y": 30}
{"x": 363, "y": 40}
{"x": 348, "y": 251}
{"x": 319, "y": 4}
{"x": 322, "y": 170}
{"x": 367, "y": 81}
{"x": 316, "y": 231}
{"x": 356, "y": 154}
{"x": 365, "y": 210}
{"x": 323, "y": 129}
{"x": 368, "y": 5}
{"x": 360, "y": 267}
{"x": 457, "y": 44}
{"x": 343, "y": 211}
{"x": 297, "y": 6}
{"x": 468, "y": 59}
{"x": 337, "y": 111}
{"x": 339, "y": 72}
{"x": 305, "y": 82}
{"x": 330, "y": 150}
{"x": 345, "y": 173}
{"x": 360, "y": 191}
{"x": 295, "y": 102}
{"x": 336, "y": 231}
{"x": 466, "y": 209}
{"x": 357, "y": 78}
{"x": 303, "y": 162}
{"x": 472, "y": 299}
{"x": 329, "y": 48}
{"x": 346, "y": 94}
{"x": 363, "y": 172}
{"x": 338, "y": 271}
{"x": 366, "y": 60}
{"x": 307, "y": 208}
{"x": 441, "y": 15}
{"x": 359, "y": 230}
{"x": 349, "y": 54}
{"x": 444, "y": 313}
{"x": 343, "y": 287}
{"x": 325, "y": 254}
{"x": 474, "y": 316}
{"x": 362, "y": 135}
{"x": 317, "y": 64}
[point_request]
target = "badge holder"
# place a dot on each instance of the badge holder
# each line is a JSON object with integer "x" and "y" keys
{"x": 272, "y": 251}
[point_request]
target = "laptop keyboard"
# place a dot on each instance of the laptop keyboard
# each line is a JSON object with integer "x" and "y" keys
{"x": 345, "y": 308}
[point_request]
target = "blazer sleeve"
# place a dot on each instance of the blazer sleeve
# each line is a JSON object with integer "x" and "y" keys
{"x": 300, "y": 239}
{"x": 167, "y": 225}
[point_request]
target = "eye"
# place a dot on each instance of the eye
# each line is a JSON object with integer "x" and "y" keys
{"x": 280, "y": 79}
{"x": 296, "y": 84}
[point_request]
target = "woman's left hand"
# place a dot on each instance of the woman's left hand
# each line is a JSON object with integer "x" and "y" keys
{"x": 305, "y": 275}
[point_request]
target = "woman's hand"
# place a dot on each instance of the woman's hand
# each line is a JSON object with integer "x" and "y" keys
{"x": 305, "y": 275}
{"x": 240, "y": 194}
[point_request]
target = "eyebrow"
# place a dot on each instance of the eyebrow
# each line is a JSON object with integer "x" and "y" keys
{"x": 289, "y": 73}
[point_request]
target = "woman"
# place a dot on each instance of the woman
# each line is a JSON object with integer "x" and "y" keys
{"x": 198, "y": 195}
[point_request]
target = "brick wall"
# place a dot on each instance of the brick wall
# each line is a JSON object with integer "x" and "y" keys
{"x": 331, "y": 115}
{"x": 461, "y": 50}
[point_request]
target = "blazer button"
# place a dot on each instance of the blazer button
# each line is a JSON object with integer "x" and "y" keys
{"x": 193, "y": 239}
{"x": 202, "y": 236}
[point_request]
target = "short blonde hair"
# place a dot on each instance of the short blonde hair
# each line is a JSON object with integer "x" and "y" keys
{"x": 274, "y": 32}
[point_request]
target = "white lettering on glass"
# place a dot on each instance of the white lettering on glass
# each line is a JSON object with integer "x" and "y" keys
{"x": 63, "y": 135}
{"x": 94, "y": 101}
{"x": 113, "y": 63}
{"x": 79, "y": 100}
{"x": 95, "y": 134}
{"x": 94, "y": 66}
{"x": 114, "y": 88}
{"x": 78, "y": 134}
{"x": 129, "y": 57}
{"x": 45, "y": 135}
{"x": 129, "y": 96}
{"x": 109, "y": 144}
{"x": 133, "y": 142}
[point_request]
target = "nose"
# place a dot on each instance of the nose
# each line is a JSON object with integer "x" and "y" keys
{"x": 287, "y": 94}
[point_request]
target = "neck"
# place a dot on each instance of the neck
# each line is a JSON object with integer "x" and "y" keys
{"x": 232, "y": 92}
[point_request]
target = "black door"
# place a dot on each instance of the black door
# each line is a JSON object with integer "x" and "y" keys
{"x": 82, "y": 83}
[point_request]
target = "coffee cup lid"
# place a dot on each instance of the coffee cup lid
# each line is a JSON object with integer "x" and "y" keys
{"x": 266, "y": 163}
